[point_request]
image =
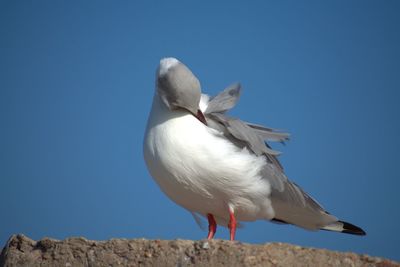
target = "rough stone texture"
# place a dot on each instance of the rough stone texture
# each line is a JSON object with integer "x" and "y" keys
{"x": 22, "y": 251}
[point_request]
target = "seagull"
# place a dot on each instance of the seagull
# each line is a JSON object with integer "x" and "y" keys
{"x": 220, "y": 167}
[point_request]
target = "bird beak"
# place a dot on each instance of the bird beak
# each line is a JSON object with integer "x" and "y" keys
{"x": 200, "y": 116}
{"x": 197, "y": 113}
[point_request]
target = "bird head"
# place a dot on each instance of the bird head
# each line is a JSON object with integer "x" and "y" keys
{"x": 177, "y": 86}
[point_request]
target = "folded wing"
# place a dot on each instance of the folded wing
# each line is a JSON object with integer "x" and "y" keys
{"x": 291, "y": 204}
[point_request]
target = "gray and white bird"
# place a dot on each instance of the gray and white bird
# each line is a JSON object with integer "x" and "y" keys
{"x": 221, "y": 167}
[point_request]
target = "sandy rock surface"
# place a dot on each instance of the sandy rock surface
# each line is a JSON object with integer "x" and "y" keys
{"x": 23, "y": 251}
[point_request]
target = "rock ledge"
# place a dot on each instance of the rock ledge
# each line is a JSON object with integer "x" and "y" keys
{"x": 23, "y": 251}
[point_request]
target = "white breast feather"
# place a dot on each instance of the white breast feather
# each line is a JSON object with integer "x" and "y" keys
{"x": 201, "y": 170}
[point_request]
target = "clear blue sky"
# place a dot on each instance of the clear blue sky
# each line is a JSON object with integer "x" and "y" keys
{"x": 76, "y": 85}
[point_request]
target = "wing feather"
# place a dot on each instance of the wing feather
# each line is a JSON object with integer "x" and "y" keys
{"x": 225, "y": 100}
{"x": 290, "y": 202}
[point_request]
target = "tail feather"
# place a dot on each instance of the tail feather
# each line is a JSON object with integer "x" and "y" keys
{"x": 344, "y": 227}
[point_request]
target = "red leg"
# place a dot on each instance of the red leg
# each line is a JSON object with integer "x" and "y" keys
{"x": 232, "y": 224}
{"x": 212, "y": 226}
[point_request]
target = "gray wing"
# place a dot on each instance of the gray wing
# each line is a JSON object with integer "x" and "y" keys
{"x": 290, "y": 202}
{"x": 225, "y": 100}
{"x": 242, "y": 133}
{"x": 293, "y": 205}
{"x": 269, "y": 134}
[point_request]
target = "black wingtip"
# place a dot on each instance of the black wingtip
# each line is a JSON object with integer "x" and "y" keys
{"x": 349, "y": 228}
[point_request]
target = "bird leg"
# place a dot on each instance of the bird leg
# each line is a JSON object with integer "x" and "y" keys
{"x": 212, "y": 226}
{"x": 232, "y": 224}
